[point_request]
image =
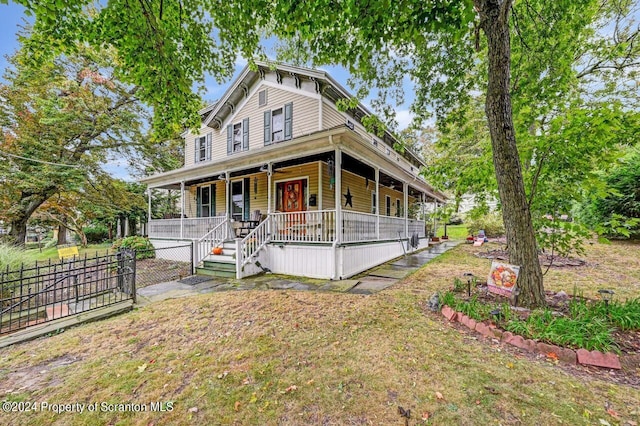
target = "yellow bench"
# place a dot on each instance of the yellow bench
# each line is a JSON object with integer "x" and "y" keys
{"x": 68, "y": 252}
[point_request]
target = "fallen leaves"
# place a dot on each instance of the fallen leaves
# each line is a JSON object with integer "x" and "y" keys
{"x": 439, "y": 395}
{"x": 142, "y": 368}
{"x": 236, "y": 406}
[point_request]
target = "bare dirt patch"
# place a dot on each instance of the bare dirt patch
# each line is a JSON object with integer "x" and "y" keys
{"x": 35, "y": 377}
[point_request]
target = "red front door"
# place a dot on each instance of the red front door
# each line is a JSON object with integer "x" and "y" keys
{"x": 292, "y": 196}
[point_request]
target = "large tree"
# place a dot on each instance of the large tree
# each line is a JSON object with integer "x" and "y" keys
{"x": 380, "y": 41}
{"x": 60, "y": 122}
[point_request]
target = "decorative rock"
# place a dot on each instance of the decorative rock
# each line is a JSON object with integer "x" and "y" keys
{"x": 599, "y": 359}
{"x": 497, "y": 333}
{"x": 449, "y": 313}
{"x": 434, "y": 302}
{"x": 560, "y": 296}
{"x": 518, "y": 342}
{"x": 462, "y": 318}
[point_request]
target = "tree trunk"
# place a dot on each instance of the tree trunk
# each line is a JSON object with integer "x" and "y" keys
{"x": 521, "y": 242}
{"x": 21, "y": 212}
{"x": 62, "y": 235}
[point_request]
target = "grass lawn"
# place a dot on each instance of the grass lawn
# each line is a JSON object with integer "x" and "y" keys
{"x": 303, "y": 358}
{"x": 32, "y": 255}
{"x": 455, "y": 232}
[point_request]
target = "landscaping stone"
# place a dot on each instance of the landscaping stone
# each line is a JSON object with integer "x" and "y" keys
{"x": 598, "y": 359}
{"x": 449, "y": 313}
{"x": 567, "y": 355}
{"x": 484, "y": 329}
{"x": 434, "y": 302}
{"x": 341, "y": 286}
{"x": 546, "y": 349}
{"x": 471, "y": 324}
{"x": 506, "y": 336}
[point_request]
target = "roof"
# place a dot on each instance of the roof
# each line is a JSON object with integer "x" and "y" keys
{"x": 215, "y": 114}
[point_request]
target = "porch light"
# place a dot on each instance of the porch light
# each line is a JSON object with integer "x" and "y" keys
{"x": 264, "y": 168}
{"x": 222, "y": 177}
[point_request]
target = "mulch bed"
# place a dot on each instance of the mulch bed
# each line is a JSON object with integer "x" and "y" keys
{"x": 628, "y": 343}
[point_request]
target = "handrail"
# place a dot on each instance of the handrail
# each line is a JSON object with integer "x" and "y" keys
{"x": 212, "y": 239}
{"x": 254, "y": 242}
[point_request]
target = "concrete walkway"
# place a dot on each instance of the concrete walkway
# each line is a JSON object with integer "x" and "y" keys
{"x": 367, "y": 282}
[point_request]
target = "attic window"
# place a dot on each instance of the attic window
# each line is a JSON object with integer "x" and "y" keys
{"x": 262, "y": 98}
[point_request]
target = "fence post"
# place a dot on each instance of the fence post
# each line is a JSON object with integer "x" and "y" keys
{"x": 193, "y": 256}
{"x": 134, "y": 292}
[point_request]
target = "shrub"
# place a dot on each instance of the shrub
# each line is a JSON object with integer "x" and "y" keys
{"x": 143, "y": 247}
{"x": 96, "y": 234}
{"x": 491, "y": 223}
{"x": 10, "y": 256}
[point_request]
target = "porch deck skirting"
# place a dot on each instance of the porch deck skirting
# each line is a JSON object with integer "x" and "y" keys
{"x": 328, "y": 262}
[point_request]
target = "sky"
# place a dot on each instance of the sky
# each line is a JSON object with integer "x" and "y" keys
{"x": 12, "y": 16}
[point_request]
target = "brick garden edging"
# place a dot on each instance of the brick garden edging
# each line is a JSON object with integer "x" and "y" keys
{"x": 490, "y": 331}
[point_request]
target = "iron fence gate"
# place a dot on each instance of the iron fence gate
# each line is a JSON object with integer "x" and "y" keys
{"x": 45, "y": 292}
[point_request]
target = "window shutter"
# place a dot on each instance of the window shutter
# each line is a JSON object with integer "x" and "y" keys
{"x": 195, "y": 150}
{"x": 213, "y": 199}
{"x": 288, "y": 115}
{"x": 198, "y": 202}
{"x": 208, "y": 146}
{"x": 247, "y": 195}
{"x": 267, "y": 127}
{"x": 229, "y": 139}
{"x": 245, "y": 134}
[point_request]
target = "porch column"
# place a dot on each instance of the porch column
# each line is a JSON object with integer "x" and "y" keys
{"x": 269, "y": 184}
{"x": 227, "y": 190}
{"x": 377, "y": 171}
{"x": 405, "y": 193}
{"x": 181, "y": 209}
{"x": 269, "y": 188}
{"x": 148, "y": 212}
{"x": 338, "y": 195}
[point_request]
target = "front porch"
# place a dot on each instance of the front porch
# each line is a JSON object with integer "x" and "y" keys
{"x": 309, "y": 210}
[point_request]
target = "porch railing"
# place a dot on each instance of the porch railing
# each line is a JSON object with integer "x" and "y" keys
{"x": 254, "y": 242}
{"x": 192, "y": 228}
{"x": 359, "y": 227}
{"x": 311, "y": 226}
{"x": 390, "y": 227}
{"x": 214, "y": 238}
{"x": 416, "y": 227}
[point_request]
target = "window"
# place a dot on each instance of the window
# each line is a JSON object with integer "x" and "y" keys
{"x": 202, "y": 145}
{"x": 388, "y": 205}
{"x": 278, "y": 124}
{"x": 238, "y": 137}
{"x": 373, "y": 203}
{"x": 237, "y": 200}
{"x": 398, "y": 208}
{"x": 206, "y": 200}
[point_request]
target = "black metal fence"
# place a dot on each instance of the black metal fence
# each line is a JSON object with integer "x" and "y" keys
{"x": 45, "y": 292}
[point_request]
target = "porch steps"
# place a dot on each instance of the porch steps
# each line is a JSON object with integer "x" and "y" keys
{"x": 223, "y": 265}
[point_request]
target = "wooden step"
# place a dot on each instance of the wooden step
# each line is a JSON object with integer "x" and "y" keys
{"x": 216, "y": 272}
{"x": 222, "y": 266}
{"x": 221, "y": 258}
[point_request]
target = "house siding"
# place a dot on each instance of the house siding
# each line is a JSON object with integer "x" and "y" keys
{"x": 304, "y": 121}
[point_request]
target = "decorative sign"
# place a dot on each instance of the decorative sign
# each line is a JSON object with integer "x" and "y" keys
{"x": 67, "y": 252}
{"x": 502, "y": 278}
{"x": 349, "y": 198}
